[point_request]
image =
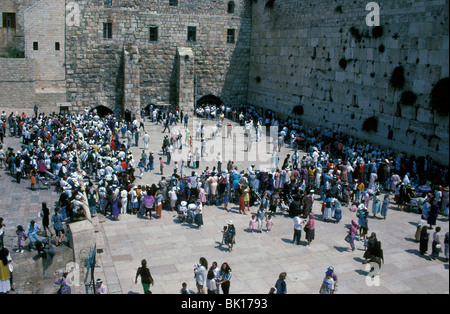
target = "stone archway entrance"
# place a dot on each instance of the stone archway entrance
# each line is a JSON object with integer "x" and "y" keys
{"x": 209, "y": 99}
{"x": 102, "y": 111}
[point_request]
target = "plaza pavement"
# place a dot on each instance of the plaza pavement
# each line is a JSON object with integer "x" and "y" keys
{"x": 172, "y": 248}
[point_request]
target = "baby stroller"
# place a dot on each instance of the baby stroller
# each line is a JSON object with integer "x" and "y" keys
{"x": 190, "y": 215}
{"x": 182, "y": 211}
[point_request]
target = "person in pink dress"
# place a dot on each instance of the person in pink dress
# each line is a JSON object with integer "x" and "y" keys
{"x": 252, "y": 223}
{"x": 269, "y": 223}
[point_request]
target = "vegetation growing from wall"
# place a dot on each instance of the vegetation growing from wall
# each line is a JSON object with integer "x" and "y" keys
{"x": 13, "y": 52}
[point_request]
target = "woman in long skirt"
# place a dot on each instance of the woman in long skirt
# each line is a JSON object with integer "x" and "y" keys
{"x": 376, "y": 205}
{"x": 337, "y": 211}
{"x": 385, "y": 206}
{"x": 198, "y": 219}
{"x": 115, "y": 207}
{"x": 424, "y": 237}
{"x": 158, "y": 205}
{"x": 310, "y": 229}
{"x": 422, "y": 222}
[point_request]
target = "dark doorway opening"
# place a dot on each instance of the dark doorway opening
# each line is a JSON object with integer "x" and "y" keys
{"x": 210, "y": 100}
{"x": 102, "y": 111}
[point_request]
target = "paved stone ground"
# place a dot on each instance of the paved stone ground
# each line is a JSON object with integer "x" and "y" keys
{"x": 172, "y": 249}
{"x": 18, "y": 206}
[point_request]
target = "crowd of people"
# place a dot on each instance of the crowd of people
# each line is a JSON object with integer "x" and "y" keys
{"x": 89, "y": 159}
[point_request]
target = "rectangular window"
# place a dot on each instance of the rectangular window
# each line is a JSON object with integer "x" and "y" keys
{"x": 230, "y": 35}
{"x": 57, "y": 46}
{"x": 153, "y": 33}
{"x": 9, "y": 20}
{"x": 173, "y": 3}
{"x": 107, "y": 30}
{"x": 35, "y": 45}
{"x": 192, "y": 34}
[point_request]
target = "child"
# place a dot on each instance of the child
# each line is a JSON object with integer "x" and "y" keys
{"x": 184, "y": 289}
{"x": 21, "y": 238}
{"x": 269, "y": 223}
{"x": 33, "y": 181}
{"x": 225, "y": 200}
{"x": 161, "y": 165}
{"x": 252, "y": 223}
{"x": 141, "y": 166}
{"x": 224, "y": 232}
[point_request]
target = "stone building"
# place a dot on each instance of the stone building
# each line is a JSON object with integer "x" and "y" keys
{"x": 320, "y": 61}
{"x": 12, "y": 24}
{"x": 179, "y": 47}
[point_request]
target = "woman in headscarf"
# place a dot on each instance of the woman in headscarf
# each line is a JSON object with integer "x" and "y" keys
{"x": 424, "y": 237}
{"x": 115, "y": 206}
{"x": 370, "y": 247}
{"x": 376, "y": 205}
{"x": 352, "y": 233}
{"x": 230, "y": 235}
{"x": 309, "y": 229}
{"x": 385, "y": 206}
{"x": 432, "y": 216}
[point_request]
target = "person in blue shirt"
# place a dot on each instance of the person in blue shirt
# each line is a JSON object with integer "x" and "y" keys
{"x": 280, "y": 285}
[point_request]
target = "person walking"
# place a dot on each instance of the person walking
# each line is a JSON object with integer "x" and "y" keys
{"x": 200, "y": 273}
{"x": 385, "y": 206}
{"x": 230, "y": 235}
{"x": 45, "y": 214}
{"x": 351, "y": 234}
{"x": 57, "y": 223}
{"x": 21, "y": 238}
{"x": 327, "y": 286}
{"x": 146, "y": 277}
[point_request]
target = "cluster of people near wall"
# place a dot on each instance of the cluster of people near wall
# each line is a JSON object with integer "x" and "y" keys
{"x": 90, "y": 161}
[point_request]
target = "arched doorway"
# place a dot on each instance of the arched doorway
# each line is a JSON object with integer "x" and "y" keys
{"x": 102, "y": 111}
{"x": 210, "y": 100}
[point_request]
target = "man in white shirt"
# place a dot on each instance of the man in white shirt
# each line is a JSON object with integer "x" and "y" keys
{"x": 298, "y": 224}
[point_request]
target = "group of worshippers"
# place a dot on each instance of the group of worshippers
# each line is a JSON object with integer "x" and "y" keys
{"x": 74, "y": 151}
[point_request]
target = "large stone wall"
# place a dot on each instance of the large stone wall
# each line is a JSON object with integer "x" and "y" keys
{"x": 296, "y": 53}
{"x": 17, "y": 84}
{"x": 95, "y": 68}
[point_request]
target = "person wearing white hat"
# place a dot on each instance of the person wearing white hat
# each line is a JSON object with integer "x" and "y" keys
{"x": 100, "y": 288}
{"x": 230, "y": 235}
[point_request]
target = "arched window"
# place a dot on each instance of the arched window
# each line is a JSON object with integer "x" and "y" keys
{"x": 231, "y": 7}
